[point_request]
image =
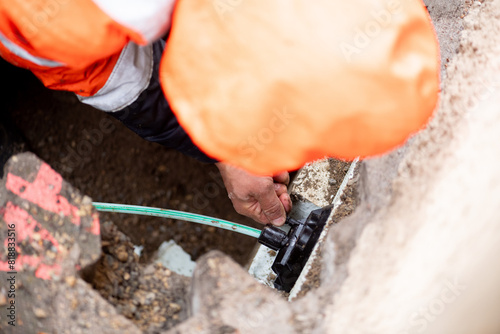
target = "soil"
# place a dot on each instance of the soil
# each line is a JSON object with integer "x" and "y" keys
{"x": 320, "y": 181}
{"x": 338, "y": 171}
{"x": 152, "y": 296}
{"x": 108, "y": 162}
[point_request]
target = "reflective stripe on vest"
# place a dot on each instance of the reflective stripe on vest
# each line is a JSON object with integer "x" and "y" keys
{"x": 21, "y": 53}
{"x": 130, "y": 77}
{"x": 89, "y": 47}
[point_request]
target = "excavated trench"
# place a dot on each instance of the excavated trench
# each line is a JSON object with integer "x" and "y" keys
{"x": 104, "y": 160}
{"x": 109, "y": 163}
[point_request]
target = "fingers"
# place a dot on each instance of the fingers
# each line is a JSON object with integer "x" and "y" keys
{"x": 272, "y": 208}
{"x": 280, "y": 188}
{"x": 264, "y": 199}
{"x": 286, "y": 201}
{"x": 281, "y": 182}
{"x": 282, "y": 193}
{"x": 283, "y": 178}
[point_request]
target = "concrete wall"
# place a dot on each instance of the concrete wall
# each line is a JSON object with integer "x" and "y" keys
{"x": 426, "y": 262}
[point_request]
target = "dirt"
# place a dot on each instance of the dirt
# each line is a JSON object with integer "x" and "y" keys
{"x": 106, "y": 161}
{"x": 152, "y": 296}
{"x": 319, "y": 182}
{"x": 338, "y": 171}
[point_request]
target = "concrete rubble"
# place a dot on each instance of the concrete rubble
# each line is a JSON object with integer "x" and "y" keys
{"x": 57, "y": 235}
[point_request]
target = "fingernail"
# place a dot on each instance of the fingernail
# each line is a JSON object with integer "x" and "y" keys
{"x": 279, "y": 221}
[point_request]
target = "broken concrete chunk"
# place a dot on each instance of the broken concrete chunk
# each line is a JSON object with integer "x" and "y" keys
{"x": 54, "y": 234}
{"x": 48, "y": 233}
{"x": 225, "y": 295}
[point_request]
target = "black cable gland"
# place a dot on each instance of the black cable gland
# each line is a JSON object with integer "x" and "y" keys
{"x": 273, "y": 237}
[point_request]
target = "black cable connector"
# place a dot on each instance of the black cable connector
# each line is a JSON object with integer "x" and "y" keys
{"x": 295, "y": 247}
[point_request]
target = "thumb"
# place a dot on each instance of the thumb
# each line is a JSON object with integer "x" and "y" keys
{"x": 272, "y": 208}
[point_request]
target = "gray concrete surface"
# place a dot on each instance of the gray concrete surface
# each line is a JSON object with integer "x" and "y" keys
{"x": 447, "y": 18}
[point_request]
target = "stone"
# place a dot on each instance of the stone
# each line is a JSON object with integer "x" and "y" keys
{"x": 60, "y": 238}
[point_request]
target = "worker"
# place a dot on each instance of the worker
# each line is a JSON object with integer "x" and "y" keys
{"x": 257, "y": 87}
{"x": 108, "y": 53}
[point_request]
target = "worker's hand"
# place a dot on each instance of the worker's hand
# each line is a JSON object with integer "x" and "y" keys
{"x": 264, "y": 199}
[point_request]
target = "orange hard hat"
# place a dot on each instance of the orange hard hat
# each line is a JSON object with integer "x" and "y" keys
{"x": 270, "y": 85}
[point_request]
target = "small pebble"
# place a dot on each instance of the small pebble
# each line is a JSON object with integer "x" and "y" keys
{"x": 3, "y": 299}
{"x": 40, "y": 313}
{"x": 122, "y": 254}
{"x": 149, "y": 270}
{"x": 175, "y": 307}
{"x": 70, "y": 280}
{"x": 149, "y": 298}
{"x": 74, "y": 304}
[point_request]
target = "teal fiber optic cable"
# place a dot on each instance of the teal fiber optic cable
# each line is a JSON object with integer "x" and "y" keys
{"x": 179, "y": 215}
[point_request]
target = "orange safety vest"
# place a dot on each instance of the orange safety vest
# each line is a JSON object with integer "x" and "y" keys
{"x": 264, "y": 85}
{"x": 85, "y": 46}
{"x": 271, "y": 85}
